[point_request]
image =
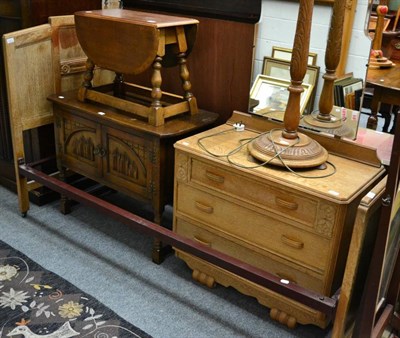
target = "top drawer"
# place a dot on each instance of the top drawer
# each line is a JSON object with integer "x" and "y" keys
{"x": 288, "y": 204}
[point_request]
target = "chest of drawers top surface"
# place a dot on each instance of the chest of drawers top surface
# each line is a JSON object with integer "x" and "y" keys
{"x": 340, "y": 182}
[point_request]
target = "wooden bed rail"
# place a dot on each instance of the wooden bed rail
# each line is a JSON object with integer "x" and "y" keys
{"x": 309, "y": 298}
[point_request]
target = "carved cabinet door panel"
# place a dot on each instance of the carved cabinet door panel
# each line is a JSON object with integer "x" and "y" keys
{"x": 79, "y": 145}
{"x": 129, "y": 161}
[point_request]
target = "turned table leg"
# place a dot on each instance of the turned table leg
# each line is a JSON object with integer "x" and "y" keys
{"x": 65, "y": 202}
{"x": 186, "y": 84}
{"x": 156, "y": 117}
{"x": 87, "y": 80}
{"x": 159, "y": 250}
{"x": 372, "y": 122}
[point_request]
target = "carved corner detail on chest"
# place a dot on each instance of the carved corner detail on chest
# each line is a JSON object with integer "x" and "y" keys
{"x": 325, "y": 220}
{"x": 151, "y": 189}
{"x": 73, "y": 66}
{"x": 153, "y": 154}
{"x": 182, "y": 167}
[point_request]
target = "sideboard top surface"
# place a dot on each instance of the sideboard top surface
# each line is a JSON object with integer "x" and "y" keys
{"x": 173, "y": 127}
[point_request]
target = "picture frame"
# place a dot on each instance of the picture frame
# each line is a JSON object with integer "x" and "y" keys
{"x": 281, "y": 69}
{"x": 286, "y": 55}
{"x": 271, "y": 95}
{"x": 352, "y": 87}
{"x": 344, "y": 90}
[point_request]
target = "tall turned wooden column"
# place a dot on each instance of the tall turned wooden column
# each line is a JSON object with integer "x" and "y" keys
{"x": 381, "y": 11}
{"x": 298, "y": 68}
{"x": 288, "y": 147}
{"x": 323, "y": 118}
{"x": 376, "y": 59}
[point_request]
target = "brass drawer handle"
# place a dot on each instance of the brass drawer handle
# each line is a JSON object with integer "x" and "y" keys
{"x": 286, "y": 204}
{"x": 215, "y": 177}
{"x": 202, "y": 242}
{"x": 292, "y": 242}
{"x": 205, "y": 208}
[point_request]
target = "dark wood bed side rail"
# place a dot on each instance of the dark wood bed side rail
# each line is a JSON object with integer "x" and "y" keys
{"x": 307, "y": 297}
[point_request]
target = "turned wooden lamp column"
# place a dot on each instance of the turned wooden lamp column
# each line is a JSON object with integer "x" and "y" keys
{"x": 323, "y": 118}
{"x": 376, "y": 59}
{"x": 295, "y": 149}
{"x": 381, "y": 11}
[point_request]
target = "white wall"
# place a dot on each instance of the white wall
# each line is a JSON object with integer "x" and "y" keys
{"x": 277, "y": 28}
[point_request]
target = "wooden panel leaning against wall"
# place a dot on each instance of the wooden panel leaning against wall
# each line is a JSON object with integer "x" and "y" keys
{"x": 16, "y": 15}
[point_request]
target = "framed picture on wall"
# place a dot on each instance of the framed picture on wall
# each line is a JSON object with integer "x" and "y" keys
{"x": 271, "y": 95}
{"x": 286, "y": 55}
{"x": 281, "y": 69}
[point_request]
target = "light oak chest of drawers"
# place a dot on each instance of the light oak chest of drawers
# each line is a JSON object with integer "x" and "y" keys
{"x": 294, "y": 227}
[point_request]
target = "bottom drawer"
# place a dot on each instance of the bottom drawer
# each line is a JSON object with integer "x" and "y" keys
{"x": 278, "y": 267}
{"x": 283, "y": 309}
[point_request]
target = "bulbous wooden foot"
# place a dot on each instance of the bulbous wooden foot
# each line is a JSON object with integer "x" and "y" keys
{"x": 283, "y": 318}
{"x": 203, "y": 278}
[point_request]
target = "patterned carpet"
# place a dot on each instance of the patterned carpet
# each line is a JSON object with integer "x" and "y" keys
{"x": 35, "y": 302}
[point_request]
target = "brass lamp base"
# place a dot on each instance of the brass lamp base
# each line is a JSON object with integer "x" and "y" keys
{"x": 302, "y": 152}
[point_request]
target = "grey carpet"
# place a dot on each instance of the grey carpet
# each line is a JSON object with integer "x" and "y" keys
{"x": 112, "y": 263}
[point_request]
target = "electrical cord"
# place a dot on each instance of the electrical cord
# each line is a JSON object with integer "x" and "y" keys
{"x": 245, "y": 141}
